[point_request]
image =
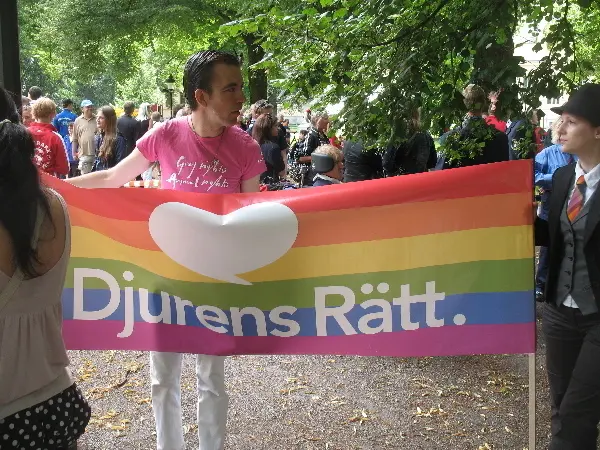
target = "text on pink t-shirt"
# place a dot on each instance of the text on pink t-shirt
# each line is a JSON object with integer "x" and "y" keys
{"x": 190, "y": 163}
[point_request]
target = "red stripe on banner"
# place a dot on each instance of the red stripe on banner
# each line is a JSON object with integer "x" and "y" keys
{"x": 514, "y": 338}
{"x": 490, "y": 179}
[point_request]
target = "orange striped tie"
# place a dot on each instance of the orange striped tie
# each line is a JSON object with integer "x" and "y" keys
{"x": 577, "y": 199}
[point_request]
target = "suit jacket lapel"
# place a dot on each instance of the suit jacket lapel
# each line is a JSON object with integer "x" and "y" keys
{"x": 593, "y": 216}
{"x": 560, "y": 190}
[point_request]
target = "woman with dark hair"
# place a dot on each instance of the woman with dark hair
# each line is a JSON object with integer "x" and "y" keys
{"x": 40, "y": 405}
{"x": 266, "y": 132}
{"x": 571, "y": 317}
{"x": 110, "y": 144}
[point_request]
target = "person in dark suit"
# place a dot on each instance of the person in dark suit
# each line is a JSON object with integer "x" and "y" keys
{"x": 571, "y": 318}
{"x": 128, "y": 127}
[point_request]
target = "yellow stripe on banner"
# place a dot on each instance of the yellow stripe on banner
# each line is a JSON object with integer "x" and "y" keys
{"x": 340, "y": 259}
{"x": 492, "y": 244}
{"x": 87, "y": 243}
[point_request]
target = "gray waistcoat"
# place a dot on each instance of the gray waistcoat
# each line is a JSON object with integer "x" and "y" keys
{"x": 573, "y": 277}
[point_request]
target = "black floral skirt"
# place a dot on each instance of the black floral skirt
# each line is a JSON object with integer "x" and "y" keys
{"x": 54, "y": 424}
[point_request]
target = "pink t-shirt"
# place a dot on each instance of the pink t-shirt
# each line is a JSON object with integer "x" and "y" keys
{"x": 190, "y": 163}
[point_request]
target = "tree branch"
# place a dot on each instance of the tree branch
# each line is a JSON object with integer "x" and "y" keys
{"x": 406, "y": 33}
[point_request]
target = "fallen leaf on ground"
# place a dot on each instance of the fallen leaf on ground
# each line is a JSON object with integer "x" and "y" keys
{"x": 190, "y": 427}
{"x": 109, "y": 415}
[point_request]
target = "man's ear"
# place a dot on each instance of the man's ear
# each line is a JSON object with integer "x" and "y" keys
{"x": 201, "y": 97}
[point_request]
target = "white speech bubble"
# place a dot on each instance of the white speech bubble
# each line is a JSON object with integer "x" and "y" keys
{"x": 221, "y": 247}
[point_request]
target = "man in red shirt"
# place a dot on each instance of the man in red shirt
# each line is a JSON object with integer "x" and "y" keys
{"x": 50, "y": 152}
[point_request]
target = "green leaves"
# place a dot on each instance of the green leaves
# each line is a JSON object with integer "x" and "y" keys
{"x": 464, "y": 66}
{"x": 468, "y": 143}
{"x": 500, "y": 36}
{"x": 340, "y": 13}
{"x": 382, "y": 59}
{"x": 447, "y": 89}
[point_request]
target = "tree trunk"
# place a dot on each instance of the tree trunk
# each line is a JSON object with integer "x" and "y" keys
{"x": 257, "y": 78}
{"x": 10, "y": 69}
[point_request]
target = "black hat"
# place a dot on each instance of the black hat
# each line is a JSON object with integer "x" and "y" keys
{"x": 584, "y": 102}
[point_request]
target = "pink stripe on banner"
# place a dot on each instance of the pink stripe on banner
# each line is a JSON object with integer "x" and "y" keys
{"x": 513, "y": 338}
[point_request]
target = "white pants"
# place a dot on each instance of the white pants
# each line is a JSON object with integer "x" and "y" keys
{"x": 86, "y": 163}
{"x": 165, "y": 371}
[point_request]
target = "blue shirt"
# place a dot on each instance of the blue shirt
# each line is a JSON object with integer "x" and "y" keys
{"x": 61, "y": 123}
{"x": 546, "y": 163}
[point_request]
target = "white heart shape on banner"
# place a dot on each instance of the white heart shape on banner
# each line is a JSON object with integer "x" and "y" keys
{"x": 221, "y": 247}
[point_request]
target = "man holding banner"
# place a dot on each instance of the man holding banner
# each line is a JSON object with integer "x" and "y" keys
{"x": 203, "y": 153}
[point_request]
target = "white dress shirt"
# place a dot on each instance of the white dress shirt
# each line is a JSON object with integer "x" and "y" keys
{"x": 327, "y": 178}
{"x": 591, "y": 182}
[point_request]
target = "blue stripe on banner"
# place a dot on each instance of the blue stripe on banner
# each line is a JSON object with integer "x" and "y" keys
{"x": 473, "y": 309}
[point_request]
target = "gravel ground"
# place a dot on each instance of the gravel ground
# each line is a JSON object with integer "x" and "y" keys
{"x": 335, "y": 403}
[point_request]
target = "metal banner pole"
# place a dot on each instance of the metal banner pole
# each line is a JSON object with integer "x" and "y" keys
{"x": 531, "y": 401}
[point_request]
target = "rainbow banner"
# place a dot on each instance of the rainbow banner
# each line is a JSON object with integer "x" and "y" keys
{"x": 432, "y": 264}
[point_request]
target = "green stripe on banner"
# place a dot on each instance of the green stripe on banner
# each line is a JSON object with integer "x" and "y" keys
{"x": 480, "y": 276}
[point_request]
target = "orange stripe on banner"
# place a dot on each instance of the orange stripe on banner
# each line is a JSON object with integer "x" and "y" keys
{"x": 413, "y": 219}
{"x": 131, "y": 233}
{"x": 361, "y": 224}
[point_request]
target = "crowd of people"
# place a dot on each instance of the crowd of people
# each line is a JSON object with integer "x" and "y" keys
{"x": 290, "y": 163}
{"x": 206, "y": 148}
{"x": 99, "y": 140}
{"x": 68, "y": 145}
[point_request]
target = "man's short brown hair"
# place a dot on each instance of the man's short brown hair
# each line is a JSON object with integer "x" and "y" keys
{"x": 128, "y": 108}
{"x": 43, "y": 109}
{"x": 474, "y": 98}
{"x": 262, "y": 107}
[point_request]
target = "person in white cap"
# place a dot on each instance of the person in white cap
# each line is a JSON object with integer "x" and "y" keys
{"x": 84, "y": 131}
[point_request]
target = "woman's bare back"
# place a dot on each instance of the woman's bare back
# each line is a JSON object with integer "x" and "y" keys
{"x": 51, "y": 244}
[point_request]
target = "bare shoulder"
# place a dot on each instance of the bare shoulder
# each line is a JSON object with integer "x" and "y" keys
{"x": 53, "y": 233}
